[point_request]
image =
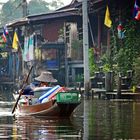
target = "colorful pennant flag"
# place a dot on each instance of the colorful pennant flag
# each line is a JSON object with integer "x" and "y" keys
{"x": 15, "y": 43}
{"x": 120, "y": 31}
{"x": 107, "y": 21}
{"x": 5, "y": 33}
{"x": 5, "y": 30}
{"x": 136, "y": 11}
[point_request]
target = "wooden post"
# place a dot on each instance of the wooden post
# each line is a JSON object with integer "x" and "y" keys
{"x": 108, "y": 42}
{"x": 66, "y": 59}
{"x": 99, "y": 33}
{"x": 119, "y": 86}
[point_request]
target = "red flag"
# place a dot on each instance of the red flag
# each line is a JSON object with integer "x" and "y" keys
{"x": 136, "y": 11}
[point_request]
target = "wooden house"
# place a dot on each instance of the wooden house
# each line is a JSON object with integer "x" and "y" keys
{"x": 57, "y": 37}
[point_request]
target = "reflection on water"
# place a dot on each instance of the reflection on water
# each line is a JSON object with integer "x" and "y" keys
{"x": 5, "y": 108}
{"x": 111, "y": 120}
{"x": 45, "y": 128}
{"x": 93, "y": 119}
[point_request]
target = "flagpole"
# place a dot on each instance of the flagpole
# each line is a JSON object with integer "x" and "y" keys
{"x": 16, "y": 45}
{"x": 22, "y": 61}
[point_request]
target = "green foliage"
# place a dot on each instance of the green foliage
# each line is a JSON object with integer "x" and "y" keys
{"x": 124, "y": 60}
{"x": 92, "y": 64}
{"x": 129, "y": 47}
{"x": 55, "y": 4}
{"x": 106, "y": 63}
{"x": 108, "y": 60}
{"x": 124, "y": 53}
{"x": 132, "y": 41}
{"x": 38, "y": 6}
{"x": 136, "y": 67}
{"x": 12, "y": 9}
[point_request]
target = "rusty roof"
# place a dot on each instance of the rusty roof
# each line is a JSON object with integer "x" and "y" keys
{"x": 44, "y": 16}
{"x": 56, "y": 14}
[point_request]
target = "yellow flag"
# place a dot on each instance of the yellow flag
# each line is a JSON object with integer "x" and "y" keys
{"x": 15, "y": 41}
{"x": 107, "y": 20}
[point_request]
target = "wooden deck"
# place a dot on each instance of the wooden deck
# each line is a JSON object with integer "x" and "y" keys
{"x": 124, "y": 95}
{"x": 103, "y": 94}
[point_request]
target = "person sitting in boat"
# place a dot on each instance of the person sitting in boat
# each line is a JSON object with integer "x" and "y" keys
{"x": 28, "y": 94}
{"x": 46, "y": 79}
{"x": 47, "y": 88}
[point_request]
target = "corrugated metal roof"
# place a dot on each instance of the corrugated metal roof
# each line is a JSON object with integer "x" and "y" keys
{"x": 18, "y": 22}
{"x": 44, "y": 16}
{"x": 56, "y": 14}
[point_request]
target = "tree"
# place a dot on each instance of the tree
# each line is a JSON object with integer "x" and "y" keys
{"x": 136, "y": 65}
{"x": 129, "y": 48}
{"x": 55, "y": 4}
{"x": 12, "y": 9}
{"x": 38, "y": 7}
{"x": 92, "y": 64}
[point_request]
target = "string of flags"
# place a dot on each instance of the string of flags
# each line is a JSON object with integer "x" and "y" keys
{"x": 5, "y": 36}
{"x": 28, "y": 52}
{"x": 120, "y": 29}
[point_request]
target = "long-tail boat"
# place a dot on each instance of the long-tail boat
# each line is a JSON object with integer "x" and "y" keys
{"x": 58, "y": 103}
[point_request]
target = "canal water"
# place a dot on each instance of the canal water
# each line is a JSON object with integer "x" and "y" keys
{"x": 92, "y": 120}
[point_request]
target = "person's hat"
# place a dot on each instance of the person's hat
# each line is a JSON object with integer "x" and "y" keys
{"x": 46, "y": 77}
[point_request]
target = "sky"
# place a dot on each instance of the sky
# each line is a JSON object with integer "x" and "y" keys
{"x": 64, "y": 1}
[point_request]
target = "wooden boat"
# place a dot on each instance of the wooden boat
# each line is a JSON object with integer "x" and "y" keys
{"x": 62, "y": 106}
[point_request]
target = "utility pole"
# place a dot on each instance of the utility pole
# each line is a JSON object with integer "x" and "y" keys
{"x": 86, "y": 46}
{"x": 24, "y": 7}
{"x": 25, "y": 13}
{"x": 66, "y": 59}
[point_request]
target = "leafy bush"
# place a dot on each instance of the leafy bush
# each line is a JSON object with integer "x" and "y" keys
{"x": 92, "y": 63}
{"x": 136, "y": 67}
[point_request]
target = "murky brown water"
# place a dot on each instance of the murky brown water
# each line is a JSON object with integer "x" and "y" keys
{"x": 93, "y": 119}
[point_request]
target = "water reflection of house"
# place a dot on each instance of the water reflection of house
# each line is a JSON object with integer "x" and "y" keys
{"x": 58, "y": 36}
